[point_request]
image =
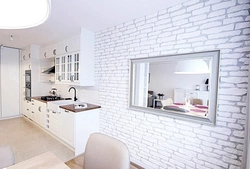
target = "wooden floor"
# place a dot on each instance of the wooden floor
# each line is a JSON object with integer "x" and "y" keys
{"x": 77, "y": 163}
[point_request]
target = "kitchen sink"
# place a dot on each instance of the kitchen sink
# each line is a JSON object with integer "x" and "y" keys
{"x": 54, "y": 105}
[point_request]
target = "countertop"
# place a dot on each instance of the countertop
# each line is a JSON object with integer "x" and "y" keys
{"x": 71, "y": 108}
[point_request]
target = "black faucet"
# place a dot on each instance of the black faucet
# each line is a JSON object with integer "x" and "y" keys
{"x": 75, "y": 99}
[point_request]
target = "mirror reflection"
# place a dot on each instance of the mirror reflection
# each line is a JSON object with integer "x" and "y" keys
{"x": 176, "y": 85}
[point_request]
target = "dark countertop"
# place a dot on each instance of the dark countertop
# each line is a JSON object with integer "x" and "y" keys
{"x": 71, "y": 108}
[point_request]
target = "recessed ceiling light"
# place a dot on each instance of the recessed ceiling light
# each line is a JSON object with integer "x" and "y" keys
{"x": 19, "y": 14}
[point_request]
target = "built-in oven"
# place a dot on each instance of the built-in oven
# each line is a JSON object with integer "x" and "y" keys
{"x": 28, "y": 85}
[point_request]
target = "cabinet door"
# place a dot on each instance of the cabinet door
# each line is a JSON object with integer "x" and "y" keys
{"x": 10, "y": 91}
{"x": 76, "y": 63}
{"x": 58, "y": 69}
{"x": 68, "y": 126}
{"x": 73, "y": 44}
{"x": 61, "y": 47}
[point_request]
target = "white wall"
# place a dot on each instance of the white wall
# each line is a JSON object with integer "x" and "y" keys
{"x": 157, "y": 142}
{"x": 163, "y": 79}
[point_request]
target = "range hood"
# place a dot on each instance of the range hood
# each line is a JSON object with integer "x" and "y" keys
{"x": 49, "y": 70}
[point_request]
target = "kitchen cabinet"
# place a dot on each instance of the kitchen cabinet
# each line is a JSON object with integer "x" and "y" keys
{"x": 67, "y": 68}
{"x": 68, "y": 127}
{"x": 47, "y": 52}
{"x": 53, "y": 122}
{"x": 77, "y": 68}
{"x": 77, "y": 127}
{"x": 9, "y": 82}
{"x": 180, "y": 95}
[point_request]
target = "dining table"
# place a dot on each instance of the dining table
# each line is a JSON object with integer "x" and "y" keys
{"x": 47, "y": 160}
{"x": 189, "y": 109}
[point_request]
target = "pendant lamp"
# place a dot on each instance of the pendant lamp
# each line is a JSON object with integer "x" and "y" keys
{"x": 197, "y": 66}
{"x": 19, "y": 14}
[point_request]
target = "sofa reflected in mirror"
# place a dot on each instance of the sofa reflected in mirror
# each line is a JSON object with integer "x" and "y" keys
{"x": 183, "y": 79}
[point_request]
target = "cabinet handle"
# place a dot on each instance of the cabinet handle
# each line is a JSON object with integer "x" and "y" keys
{"x": 44, "y": 54}
{"x": 32, "y": 104}
{"x": 23, "y": 57}
{"x": 28, "y": 109}
{"x": 66, "y": 111}
{"x": 54, "y": 112}
{"x": 39, "y": 108}
{"x": 59, "y": 78}
{"x": 47, "y": 121}
{"x": 29, "y": 55}
{"x": 48, "y": 115}
{"x": 32, "y": 112}
{"x": 47, "y": 126}
{"x": 54, "y": 51}
{"x": 66, "y": 48}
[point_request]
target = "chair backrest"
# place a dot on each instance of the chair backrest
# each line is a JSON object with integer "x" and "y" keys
{"x": 197, "y": 101}
{"x": 166, "y": 102}
{"x": 7, "y": 157}
{"x": 105, "y": 152}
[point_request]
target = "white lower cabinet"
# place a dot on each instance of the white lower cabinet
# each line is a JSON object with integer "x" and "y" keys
{"x": 77, "y": 127}
{"x": 53, "y": 123}
{"x": 68, "y": 127}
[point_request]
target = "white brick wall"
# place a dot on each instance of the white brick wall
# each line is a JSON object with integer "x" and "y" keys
{"x": 157, "y": 142}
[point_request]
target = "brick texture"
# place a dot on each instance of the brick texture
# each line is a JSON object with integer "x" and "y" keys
{"x": 157, "y": 142}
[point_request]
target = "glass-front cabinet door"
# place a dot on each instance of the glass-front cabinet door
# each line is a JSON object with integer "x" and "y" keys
{"x": 67, "y": 68}
{"x": 76, "y": 67}
{"x": 57, "y": 69}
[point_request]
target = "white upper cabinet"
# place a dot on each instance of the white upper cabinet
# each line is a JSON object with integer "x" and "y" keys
{"x": 73, "y": 44}
{"x": 25, "y": 55}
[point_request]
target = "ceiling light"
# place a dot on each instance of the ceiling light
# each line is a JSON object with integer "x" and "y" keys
{"x": 198, "y": 66}
{"x": 18, "y": 14}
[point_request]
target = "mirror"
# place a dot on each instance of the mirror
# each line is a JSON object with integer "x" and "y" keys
{"x": 182, "y": 86}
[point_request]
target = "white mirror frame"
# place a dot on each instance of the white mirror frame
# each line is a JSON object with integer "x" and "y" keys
{"x": 213, "y": 83}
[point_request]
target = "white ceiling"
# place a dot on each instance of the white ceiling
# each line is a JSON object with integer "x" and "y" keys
{"x": 67, "y": 16}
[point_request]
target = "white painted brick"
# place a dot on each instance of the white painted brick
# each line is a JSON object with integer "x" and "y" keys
{"x": 174, "y": 8}
{"x": 242, "y": 25}
{"x": 233, "y": 151}
{"x": 231, "y": 161}
{"x": 213, "y": 166}
{"x": 201, "y": 11}
{"x": 208, "y": 139}
{"x": 234, "y": 167}
{"x": 197, "y": 18}
{"x": 179, "y": 12}
{"x": 240, "y": 13}
{"x": 238, "y": 133}
{"x": 216, "y": 41}
{"x": 232, "y": 20}
{"x": 197, "y": 6}
{"x": 219, "y": 136}
{"x": 180, "y": 22}
{"x": 224, "y": 5}
{"x": 218, "y": 29}
{"x": 234, "y": 79}
{"x": 211, "y": 25}
{"x": 224, "y": 34}
{"x": 213, "y": 160}
{"x": 194, "y": 149}
{"x": 181, "y": 17}
{"x": 212, "y": 2}
{"x": 216, "y": 13}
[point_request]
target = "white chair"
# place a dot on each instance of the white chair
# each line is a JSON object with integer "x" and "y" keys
{"x": 105, "y": 152}
{"x": 166, "y": 102}
{"x": 7, "y": 157}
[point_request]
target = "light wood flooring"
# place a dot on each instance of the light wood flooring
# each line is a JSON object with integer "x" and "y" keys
{"x": 28, "y": 140}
